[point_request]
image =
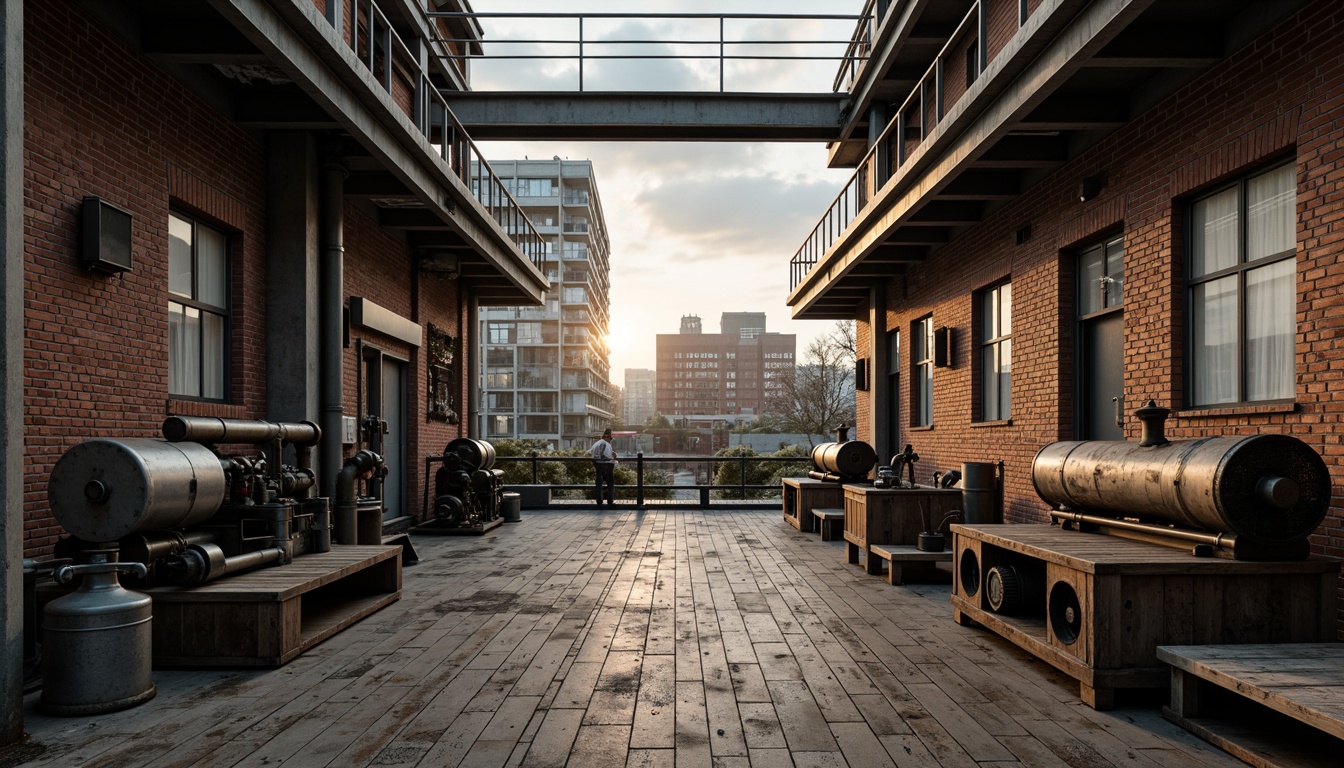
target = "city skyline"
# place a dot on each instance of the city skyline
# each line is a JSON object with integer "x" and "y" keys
{"x": 696, "y": 228}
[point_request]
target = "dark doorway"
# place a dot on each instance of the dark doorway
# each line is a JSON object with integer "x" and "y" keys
{"x": 1101, "y": 340}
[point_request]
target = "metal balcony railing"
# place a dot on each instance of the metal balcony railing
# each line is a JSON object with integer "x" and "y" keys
{"x": 390, "y": 61}
{"x": 598, "y": 37}
{"x": 917, "y": 116}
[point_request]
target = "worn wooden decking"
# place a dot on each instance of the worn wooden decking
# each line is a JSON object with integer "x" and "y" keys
{"x": 686, "y": 638}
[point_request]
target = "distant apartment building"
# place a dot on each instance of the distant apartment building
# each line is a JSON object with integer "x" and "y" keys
{"x": 546, "y": 372}
{"x": 640, "y": 402}
{"x": 721, "y": 377}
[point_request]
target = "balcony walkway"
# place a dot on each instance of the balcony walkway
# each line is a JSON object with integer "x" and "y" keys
{"x": 688, "y": 638}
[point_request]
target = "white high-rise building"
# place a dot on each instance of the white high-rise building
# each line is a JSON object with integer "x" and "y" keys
{"x": 640, "y": 404}
{"x": 545, "y": 372}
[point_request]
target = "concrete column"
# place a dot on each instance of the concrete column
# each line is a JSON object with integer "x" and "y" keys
{"x": 879, "y": 363}
{"x": 11, "y": 380}
{"x": 471, "y": 349}
{"x": 292, "y": 350}
{"x": 878, "y": 118}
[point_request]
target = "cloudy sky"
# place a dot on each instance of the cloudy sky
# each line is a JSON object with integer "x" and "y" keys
{"x": 696, "y": 228}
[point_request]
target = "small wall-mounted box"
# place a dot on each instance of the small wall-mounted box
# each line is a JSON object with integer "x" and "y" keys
{"x": 106, "y": 245}
{"x": 348, "y": 430}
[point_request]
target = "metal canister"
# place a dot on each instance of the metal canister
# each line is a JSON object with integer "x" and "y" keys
{"x": 97, "y": 642}
{"x": 979, "y": 492}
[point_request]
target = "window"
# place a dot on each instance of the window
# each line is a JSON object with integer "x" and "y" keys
{"x": 1102, "y": 279}
{"x": 499, "y": 333}
{"x": 922, "y": 385}
{"x": 1243, "y": 290}
{"x": 198, "y": 314}
{"x": 996, "y": 352}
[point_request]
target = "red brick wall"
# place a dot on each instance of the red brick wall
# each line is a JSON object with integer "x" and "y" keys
{"x": 96, "y": 351}
{"x": 1279, "y": 97}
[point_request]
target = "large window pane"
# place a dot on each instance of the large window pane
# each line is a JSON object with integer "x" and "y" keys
{"x": 1092, "y": 268}
{"x": 179, "y": 256}
{"x": 212, "y": 267}
{"x": 184, "y": 350}
{"x": 212, "y": 355}
{"x": 1115, "y": 273}
{"x": 1270, "y": 330}
{"x": 1215, "y": 341}
{"x": 1271, "y": 213}
{"x": 1214, "y": 233}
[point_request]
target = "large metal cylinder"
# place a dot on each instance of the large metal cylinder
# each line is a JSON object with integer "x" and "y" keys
{"x": 854, "y": 458}
{"x": 476, "y": 452}
{"x": 1270, "y": 489}
{"x": 97, "y": 646}
{"x": 102, "y": 490}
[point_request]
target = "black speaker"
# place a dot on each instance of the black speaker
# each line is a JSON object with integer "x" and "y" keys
{"x": 106, "y": 244}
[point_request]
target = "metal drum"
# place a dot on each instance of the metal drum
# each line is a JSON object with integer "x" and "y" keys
{"x": 478, "y": 453}
{"x": 979, "y": 492}
{"x": 368, "y": 520}
{"x": 849, "y": 459}
{"x": 97, "y": 643}
{"x": 102, "y": 490}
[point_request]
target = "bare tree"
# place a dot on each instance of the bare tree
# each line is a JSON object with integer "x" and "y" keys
{"x": 818, "y": 394}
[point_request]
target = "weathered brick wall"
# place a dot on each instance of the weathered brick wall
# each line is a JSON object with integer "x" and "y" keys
{"x": 96, "y": 351}
{"x": 1277, "y": 98}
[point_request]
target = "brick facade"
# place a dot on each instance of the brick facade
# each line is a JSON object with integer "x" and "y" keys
{"x": 1278, "y": 98}
{"x": 95, "y": 362}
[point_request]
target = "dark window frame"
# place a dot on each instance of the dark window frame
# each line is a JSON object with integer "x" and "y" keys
{"x": 225, "y": 312}
{"x": 921, "y": 363}
{"x": 984, "y": 299}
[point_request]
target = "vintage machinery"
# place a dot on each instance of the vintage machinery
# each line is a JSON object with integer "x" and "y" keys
{"x": 906, "y": 460}
{"x": 843, "y": 461}
{"x": 1257, "y": 497}
{"x": 189, "y": 512}
{"x": 1207, "y": 545}
{"x": 468, "y": 490}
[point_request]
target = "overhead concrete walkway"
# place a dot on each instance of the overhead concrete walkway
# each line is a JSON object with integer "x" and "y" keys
{"x": 634, "y": 639}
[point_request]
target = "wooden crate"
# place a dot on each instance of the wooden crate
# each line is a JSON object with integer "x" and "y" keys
{"x": 803, "y": 494}
{"x": 1129, "y": 597}
{"x": 267, "y": 617}
{"x": 891, "y": 516}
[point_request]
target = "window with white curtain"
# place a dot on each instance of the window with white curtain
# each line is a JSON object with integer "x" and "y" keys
{"x": 198, "y": 309}
{"x": 1243, "y": 290}
{"x": 996, "y": 352}
{"x": 921, "y": 354}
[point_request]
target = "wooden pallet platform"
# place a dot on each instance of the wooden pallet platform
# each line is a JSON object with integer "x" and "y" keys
{"x": 1304, "y": 682}
{"x": 1100, "y": 605}
{"x": 829, "y": 522}
{"x": 804, "y": 494}
{"x": 267, "y": 617}
{"x": 900, "y": 557}
{"x": 434, "y": 528}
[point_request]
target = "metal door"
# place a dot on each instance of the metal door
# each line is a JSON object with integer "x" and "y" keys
{"x": 393, "y": 411}
{"x": 1100, "y": 387}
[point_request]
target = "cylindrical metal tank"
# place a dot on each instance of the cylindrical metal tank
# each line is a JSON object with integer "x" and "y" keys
{"x": 102, "y": 490}
{"x": 1270, "y": 489}
{"x": 979, "y": 492}
{"x": 97, "y": 643}
{"x": 369, "y": 520}
{"x": 854, "y": 458}
{"x": 476, "y": 452}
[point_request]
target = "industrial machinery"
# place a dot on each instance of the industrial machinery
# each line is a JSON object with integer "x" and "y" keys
{"x": 1257, "y": 497}
{"x": 191, "y": 513}
{"x": 468, "y": 490}
{"x": 843, "y": 461}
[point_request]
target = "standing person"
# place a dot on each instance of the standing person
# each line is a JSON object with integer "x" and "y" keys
{"x": 604, "y": 462}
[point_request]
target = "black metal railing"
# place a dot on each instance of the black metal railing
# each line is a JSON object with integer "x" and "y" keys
{"x": 641, "y": 493}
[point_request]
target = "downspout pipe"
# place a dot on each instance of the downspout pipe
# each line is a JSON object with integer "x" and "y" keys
{"x": 361, "y": 466}
{"x": 331, "y": 221}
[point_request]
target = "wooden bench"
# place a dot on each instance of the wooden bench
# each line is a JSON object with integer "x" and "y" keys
{"x": 1303, "y": 681}
{"x": 831, "y": 523}
{"x": 267, "y": 617}
{"x": 899, "y": 556}
{"x": 803, "y": 494}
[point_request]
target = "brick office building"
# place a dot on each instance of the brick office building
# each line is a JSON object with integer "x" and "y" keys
{"x": 723, "y": 377}
{"x": 305, "y": 240}
{"x": 1084, "y": 206}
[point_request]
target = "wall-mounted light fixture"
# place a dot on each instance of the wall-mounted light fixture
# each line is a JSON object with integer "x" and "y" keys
{"x": 942, "y": 347}
{"x": 106, "y": 245}
{"x": 1091, "y": 186}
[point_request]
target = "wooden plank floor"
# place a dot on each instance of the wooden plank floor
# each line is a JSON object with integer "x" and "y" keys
{"x": 664, "y": 638}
